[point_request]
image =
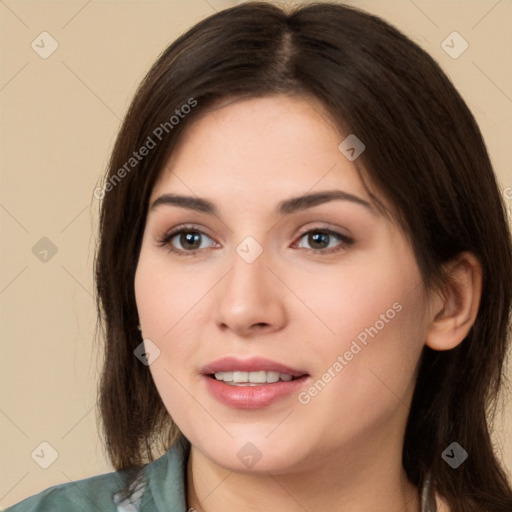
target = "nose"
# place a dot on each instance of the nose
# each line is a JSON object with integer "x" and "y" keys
{"x": 251, "y": 299}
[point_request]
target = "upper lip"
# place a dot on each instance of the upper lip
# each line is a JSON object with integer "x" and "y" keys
{"x": 253, "y": 364}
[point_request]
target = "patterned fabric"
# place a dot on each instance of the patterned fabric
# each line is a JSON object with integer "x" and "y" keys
{"x": 132, "y": 502}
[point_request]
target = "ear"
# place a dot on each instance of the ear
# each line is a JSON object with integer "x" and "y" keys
{"x": 456, "y": 307}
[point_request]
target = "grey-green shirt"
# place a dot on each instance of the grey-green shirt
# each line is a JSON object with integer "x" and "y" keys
{"x": 158, "y": 487}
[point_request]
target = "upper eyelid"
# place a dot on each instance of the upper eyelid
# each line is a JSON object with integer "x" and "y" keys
{"x": 190, "y": 227}
{"x": 184, "y": 228}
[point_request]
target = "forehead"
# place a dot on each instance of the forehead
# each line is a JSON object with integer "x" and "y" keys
{"x": 258, "y": 148}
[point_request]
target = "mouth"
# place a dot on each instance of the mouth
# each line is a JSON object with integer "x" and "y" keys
{"x": 258, "y": 378}
{"x": 256, "y": 370}
{"x": 251, "y": 383}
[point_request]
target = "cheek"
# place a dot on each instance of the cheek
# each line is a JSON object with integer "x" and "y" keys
{"x": 165, "y": 300}
{"x": 170, "y": 299}
{"x": 372, "y": 324}
{"x": 365, "y": 299}
{"x": 167, "y": 295}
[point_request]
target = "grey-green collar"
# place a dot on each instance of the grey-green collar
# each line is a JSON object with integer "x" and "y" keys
{"x": 165, "y": 479}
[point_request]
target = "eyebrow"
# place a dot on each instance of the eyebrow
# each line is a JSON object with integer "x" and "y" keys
{"x": 285, "y": 207}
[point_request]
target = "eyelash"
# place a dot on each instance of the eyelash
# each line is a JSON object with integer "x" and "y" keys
{"x": 164, "y": 241}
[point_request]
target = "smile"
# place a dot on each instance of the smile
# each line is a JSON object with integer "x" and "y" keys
{"x": 253, "y": 383}
{"x": 241, "y": 378}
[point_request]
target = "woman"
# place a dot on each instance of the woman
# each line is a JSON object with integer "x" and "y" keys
{"x": 304, "y": 277}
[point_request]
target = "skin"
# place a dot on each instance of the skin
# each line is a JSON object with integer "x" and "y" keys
{"x": 341, "y": 450}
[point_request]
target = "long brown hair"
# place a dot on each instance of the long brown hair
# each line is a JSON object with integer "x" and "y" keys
{"x": 424, "y": 154}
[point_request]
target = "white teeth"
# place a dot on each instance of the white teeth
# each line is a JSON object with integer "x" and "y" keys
{"x": 261, "y": 377}
{"x": 258, "y": 377}
{"x": 240, "y": 376}
{"x": 272, "y": 376}
{"x": 225, "y": 376}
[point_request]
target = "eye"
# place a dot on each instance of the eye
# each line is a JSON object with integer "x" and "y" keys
{"x": 184, "y": 241}
{"x": 322, "y": 239}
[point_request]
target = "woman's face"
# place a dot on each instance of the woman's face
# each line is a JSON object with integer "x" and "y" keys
{"x": 265, "y": 284}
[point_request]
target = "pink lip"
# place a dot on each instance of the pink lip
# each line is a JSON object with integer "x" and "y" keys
{"x": 251, "y": 397}
{"x": 254, "y": 364}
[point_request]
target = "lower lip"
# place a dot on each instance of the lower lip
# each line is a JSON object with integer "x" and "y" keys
{"x": 252, "y": 397}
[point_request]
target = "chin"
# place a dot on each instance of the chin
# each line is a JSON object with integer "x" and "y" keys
{"x": 253, "y": 454}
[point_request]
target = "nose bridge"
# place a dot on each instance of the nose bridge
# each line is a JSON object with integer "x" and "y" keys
{"x": 250, "y": 294}
{"x": 249, "y": 267}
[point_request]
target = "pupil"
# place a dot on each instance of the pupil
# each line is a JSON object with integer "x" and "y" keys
{"x": 319, "y": 238}
{"x": 192, "y": 238}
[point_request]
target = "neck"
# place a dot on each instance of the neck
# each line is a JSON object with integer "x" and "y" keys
{"x": 379, "y": 483}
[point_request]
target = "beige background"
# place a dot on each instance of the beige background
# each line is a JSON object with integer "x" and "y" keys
{"x": 59, "y": 119}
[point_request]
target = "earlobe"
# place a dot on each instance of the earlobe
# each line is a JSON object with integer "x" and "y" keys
{"x": 457, "y": 305}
